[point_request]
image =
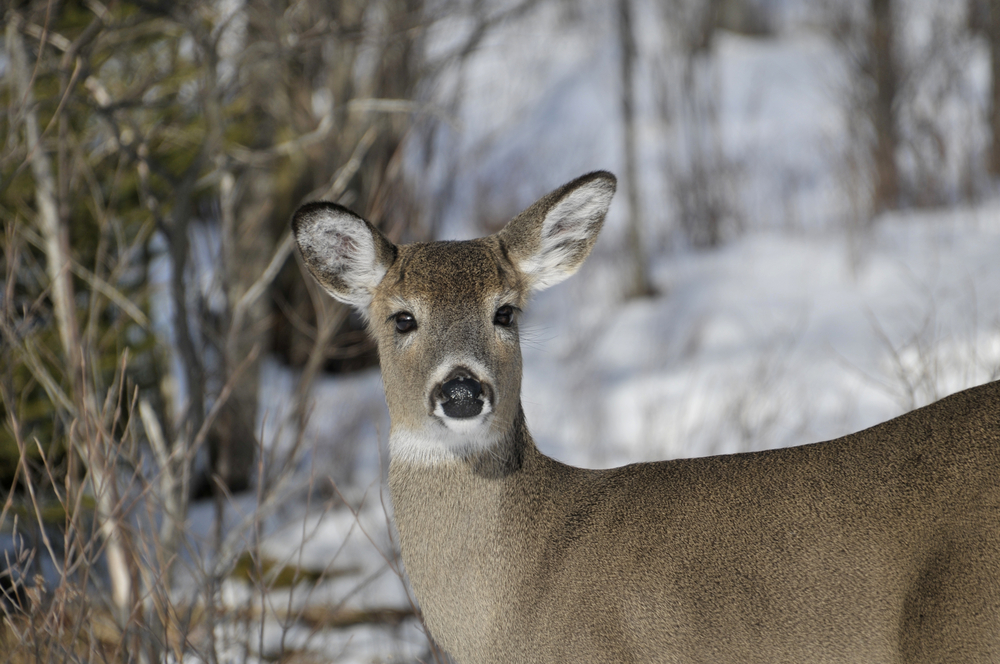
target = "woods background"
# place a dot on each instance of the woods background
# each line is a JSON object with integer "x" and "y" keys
{"x": 151, "y": 155}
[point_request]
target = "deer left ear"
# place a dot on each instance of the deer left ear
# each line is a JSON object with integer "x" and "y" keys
{"x": 550, "y": 240}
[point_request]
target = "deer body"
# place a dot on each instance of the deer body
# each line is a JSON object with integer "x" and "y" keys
{"x": 882, "y": 546}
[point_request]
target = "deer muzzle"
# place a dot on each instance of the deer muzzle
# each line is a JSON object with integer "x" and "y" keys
{"x": 461, "y": 395}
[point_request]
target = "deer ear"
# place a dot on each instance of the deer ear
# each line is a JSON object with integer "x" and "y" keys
{"x": 346, "y": 254}
{"x": 550, "y": 240}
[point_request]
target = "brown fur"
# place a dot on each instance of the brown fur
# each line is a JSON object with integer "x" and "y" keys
{"x": 882, "y": 546}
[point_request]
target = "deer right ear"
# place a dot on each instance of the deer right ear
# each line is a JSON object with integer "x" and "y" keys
{"x": 346, "y": 254}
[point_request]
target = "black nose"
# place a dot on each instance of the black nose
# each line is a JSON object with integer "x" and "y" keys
{"x": 461, "y": 397}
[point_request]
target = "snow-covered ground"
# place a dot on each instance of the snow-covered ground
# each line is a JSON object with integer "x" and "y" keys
{"x": 793, "y": 332}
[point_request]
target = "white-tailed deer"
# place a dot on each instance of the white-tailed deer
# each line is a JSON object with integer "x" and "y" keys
{"x": 882, "y": 546}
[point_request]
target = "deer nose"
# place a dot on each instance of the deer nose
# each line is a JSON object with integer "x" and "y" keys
{"x": 460, "y": 396}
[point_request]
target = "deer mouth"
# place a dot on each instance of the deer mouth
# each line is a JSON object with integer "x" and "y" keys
{"x": 461, "y": 396}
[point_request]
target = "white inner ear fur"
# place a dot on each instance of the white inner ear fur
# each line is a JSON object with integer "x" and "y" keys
{"x": 346, "y": 248}
{"x": 567, "y": 232}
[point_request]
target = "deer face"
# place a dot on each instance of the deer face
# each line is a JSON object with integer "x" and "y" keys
{"x": 445, "y": 318}
{"x": 445, "y": 314}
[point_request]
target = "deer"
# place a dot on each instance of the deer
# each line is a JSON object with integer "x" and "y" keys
{"x": 880, "y": 547}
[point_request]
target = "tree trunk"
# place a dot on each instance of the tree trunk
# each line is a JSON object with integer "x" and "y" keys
{"x": 993, "y": 35}
{"x": 638, "y": 277}
{"x": 247, "y": 210}
{"x": 883, "y": 115}
{"x": 233, "y": 444}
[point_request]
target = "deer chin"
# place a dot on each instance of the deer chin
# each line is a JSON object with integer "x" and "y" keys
{"x": 444, "y": 439}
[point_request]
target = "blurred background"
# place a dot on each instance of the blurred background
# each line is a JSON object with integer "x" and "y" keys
{"x": 805, "y": 242}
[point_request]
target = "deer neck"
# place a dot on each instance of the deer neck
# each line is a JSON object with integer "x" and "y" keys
{"x": 464, "y": 524}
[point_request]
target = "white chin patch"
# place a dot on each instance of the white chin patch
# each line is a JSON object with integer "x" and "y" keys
{"x": 445, "y": 438}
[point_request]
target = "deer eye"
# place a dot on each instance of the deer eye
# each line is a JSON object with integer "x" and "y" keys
{"x": 405, "y": 322}
{"x": 504, "y": 316}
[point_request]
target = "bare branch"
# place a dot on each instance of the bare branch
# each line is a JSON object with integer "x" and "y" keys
{"x": 45, "y": 197}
